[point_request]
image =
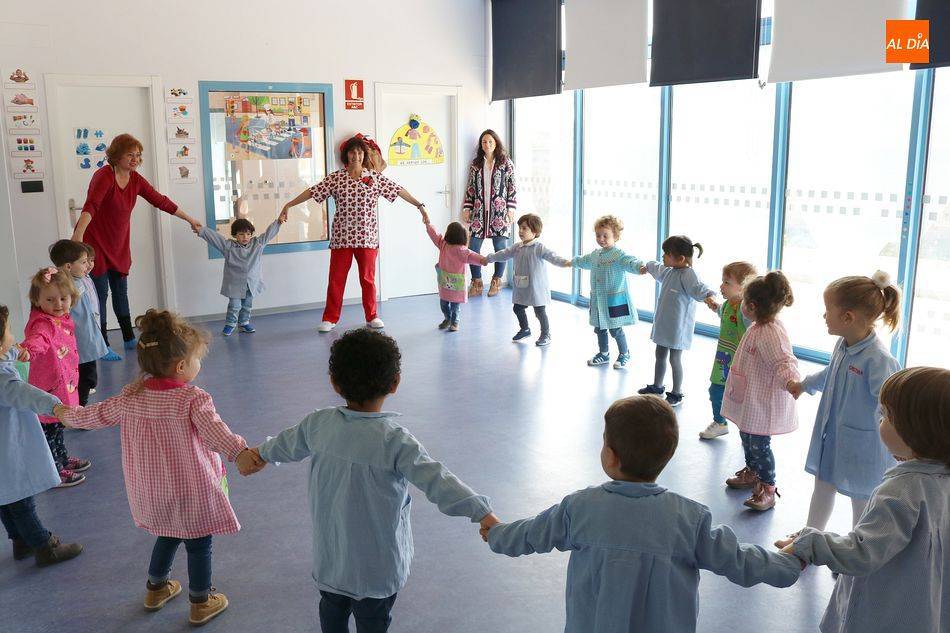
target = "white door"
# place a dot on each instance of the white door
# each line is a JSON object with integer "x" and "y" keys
{"x": 407, "y": 257}
{"x": 85, "y": 114}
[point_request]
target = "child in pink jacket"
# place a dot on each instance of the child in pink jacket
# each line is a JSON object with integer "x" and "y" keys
{"x": 450, "y": 271}
{"x": 757, "y": 397}
{"x": 49, "y": 345}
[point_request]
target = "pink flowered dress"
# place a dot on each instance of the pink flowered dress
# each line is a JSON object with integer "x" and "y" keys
{"x": 54, "y": 358}
{"x": 171, "y": 436}
{"x": 355, "y": 222}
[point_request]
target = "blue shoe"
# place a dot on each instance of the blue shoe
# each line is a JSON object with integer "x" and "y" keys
{"x": 622, "y": 361}
{"x": 675, "y": 399}
{"x": 129, "y": 344}
{"x": 228, "y": 330}
{"x": 599, "y": 359}
{"x": 520, "y": 334}
{"x": 651, "y": 390}
{"x": 110, "y": 355}
{"x": 247, "y": 328}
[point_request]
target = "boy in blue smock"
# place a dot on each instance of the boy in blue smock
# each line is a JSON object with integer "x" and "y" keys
{"x": 637, "y": 548}
{"x": 362, "y": 462}
{"x": 26, "y": 464}
{"x": 242, "y": 268}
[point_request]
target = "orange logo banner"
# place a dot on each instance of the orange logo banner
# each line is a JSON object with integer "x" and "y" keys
{"x": 907, "y": 42}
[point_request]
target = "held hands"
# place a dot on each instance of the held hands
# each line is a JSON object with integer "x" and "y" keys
{"x": 484, "y": 260}
{"x": 23, "y": 355}
{"x": 249, "y": 461}
{"x": 795, "y": 388}
{"x": 568, "y": 263}
{"x": 283, "y": 214}
{"x": 643, "y": 270}
{"x": 60, "y": 411}
{"x": 487, "y": 523}
{"x": 425, "y": 216}
{"x": 711, "y": 304}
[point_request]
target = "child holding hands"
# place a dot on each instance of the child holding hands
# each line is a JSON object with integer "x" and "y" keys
{"x": 454, "y": 254}
{"x": 361, "y": 464}
{"x": 610, "y": 305}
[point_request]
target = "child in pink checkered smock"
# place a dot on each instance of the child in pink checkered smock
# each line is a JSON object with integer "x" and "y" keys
{"x": 171, "y": 438}
{"x": 757, "y": 399}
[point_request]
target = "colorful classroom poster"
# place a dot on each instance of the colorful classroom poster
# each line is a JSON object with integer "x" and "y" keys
{"x": 415, "y": 143}
{"x": 268, "y": 126}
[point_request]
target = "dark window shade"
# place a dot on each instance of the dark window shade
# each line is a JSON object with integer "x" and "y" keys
{"x": 938, "y": 12}
{"x": 526, "y": 48}
{"x": 697, "y": 41}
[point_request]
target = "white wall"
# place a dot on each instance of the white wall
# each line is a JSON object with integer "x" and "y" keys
{"x": 410, "y": 41}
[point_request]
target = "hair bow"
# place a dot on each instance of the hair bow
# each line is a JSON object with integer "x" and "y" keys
{"x": 48, "y": 274}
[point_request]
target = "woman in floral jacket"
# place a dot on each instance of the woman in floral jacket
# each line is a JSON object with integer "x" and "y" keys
{"x": 489, "y": 205}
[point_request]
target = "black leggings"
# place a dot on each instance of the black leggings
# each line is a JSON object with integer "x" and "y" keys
{"x": 539, "y": 311}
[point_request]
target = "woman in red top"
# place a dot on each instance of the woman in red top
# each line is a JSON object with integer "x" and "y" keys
{"x": 355, "y": 232}
{"x": 104, "y": 225}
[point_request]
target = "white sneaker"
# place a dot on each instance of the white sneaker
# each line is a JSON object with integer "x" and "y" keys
{"x": 325, "y": 326}
{"x": 714, "y": 430}
{"x": 376, "y": 324}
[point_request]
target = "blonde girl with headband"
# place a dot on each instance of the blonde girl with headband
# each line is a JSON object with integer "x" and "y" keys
{"x": 846, "y": 454}
{"x": 49, "y": 345}
{"x": 172, "y": 441}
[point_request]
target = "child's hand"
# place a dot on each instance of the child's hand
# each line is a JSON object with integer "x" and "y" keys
{"x": 283, "y": 215}
{"x": 711, "y": 303}
{"x": 425, "y": 216}
{"x": 643, "y": 270}
{"x": 61, "y": 411}
{"x": 487, "y": 523}
{"x": 795, "y": 388}
{"x": 484, "y": 261}
{"x": 249, "y": 461}
{"x": 568, "y": 263}
{"x": 23, "y": 355}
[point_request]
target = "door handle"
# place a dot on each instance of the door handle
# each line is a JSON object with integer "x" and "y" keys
{"x": 446, "y": 199}
{"x": 72, "y": 211}
{"x": 444, "y": 191}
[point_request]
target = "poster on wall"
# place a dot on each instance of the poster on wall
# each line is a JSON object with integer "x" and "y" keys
{"x": 28, "y": 168}
{"x": 267, "y": 126}
{"x": 17, "y": 79}
{"x": 20, "y": 100}
{"x": 25, "y": 146}
{"x": 90, "y": 141}
{"x": 22, "y": 122}
{"x": 179, "y": 112}
{"x": 181, "y": 153}
{"x": 177, "y": 95}
{"x": 181, "y": 133}
{"x": 182, "y": 174}
{"x": 415, "y": 143}
{"x": 91, "y": 162}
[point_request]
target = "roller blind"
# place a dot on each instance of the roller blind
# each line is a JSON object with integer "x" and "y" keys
{"x": 938, "y": 12}
{"x": 526, "y": 48}
{"x": 606, "y": 43}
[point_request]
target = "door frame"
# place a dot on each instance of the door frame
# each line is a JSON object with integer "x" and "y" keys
{"x": 158, "y": 155}
{"x": 454, "y": 134}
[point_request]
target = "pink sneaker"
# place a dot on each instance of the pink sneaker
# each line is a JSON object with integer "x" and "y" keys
{"x": 744, "y": 478}
{"x": 68, "y": 479}
{"x": 763, "y": 497}
{"x": 78, "y": 465}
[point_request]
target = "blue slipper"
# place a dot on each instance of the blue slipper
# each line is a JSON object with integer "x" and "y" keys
{"x": 110, "y": 355}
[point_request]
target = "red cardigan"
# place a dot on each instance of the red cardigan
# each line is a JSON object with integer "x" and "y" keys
{"x": 111, "y": 209}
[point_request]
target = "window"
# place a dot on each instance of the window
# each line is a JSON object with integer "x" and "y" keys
{"x": 621, "y": 168}
{"x": 544, "y": 167}
{"x": 721, "y": 173}
{"x": 264, "y": 145}
{"x": 846, "y": 170}
{"x": 930, "y": 325}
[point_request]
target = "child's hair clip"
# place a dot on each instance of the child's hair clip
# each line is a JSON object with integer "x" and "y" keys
{"x": 48, "y": 274}
{"x": 144, "y": 345}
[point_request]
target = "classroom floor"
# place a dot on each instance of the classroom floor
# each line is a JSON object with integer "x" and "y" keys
{"x": 518, "y": 423}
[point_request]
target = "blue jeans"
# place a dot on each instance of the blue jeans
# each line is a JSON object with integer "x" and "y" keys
{"x": 199, "y": 563}
{"x": 758, "y": 456}
{"x": 119, "y": 284}
{"x": 715, "y": 399}
{"x": 451, "y": 310}
{"x": 499, "y": 242}
{"x": 618, "y": 335}
{"x": 20, "y": 520}
{"x": 371, "y": 614}
{"x": 239, "y": 310}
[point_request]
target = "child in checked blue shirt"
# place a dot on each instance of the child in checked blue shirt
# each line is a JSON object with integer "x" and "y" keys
{"x": 361, "y": 464}
{"x": 242, "y": 268}
{"x": 645, "y": 575}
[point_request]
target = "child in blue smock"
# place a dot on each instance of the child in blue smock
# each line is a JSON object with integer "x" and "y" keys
{"x": 26, "y": 464}
{"x": 73, "y": 257}
{"x": 361, "y": 464}
{"x": 675, "y": 316}
{"x": 611, "y": 307}
{"x": 894, "y": 566}
{"x": 242, "y": 268}
{"x": 636, "y": 547}
{"x": 846, "y": 455}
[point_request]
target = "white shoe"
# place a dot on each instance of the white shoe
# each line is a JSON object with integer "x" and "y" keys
{"x": 714, "y": 430}
{"x": 325, "y": 326}
{"x": 376, "y": 324}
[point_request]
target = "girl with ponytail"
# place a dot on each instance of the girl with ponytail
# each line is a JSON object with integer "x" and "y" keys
{"x": 846, "y": 454}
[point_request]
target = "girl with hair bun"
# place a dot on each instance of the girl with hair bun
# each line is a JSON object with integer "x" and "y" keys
{"x": 846, "y": 454}
{"x": 757, "y": 397}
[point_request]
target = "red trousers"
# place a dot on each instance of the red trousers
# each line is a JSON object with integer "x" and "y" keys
{"x": 340, "y": 261}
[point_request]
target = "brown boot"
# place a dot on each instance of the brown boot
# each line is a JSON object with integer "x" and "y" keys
{"x": 494, "y": 287}
{"x": 202, "y": 612}
{"x": 21, "y": 550}
{"x": 475, "y": 290}
{"x": 763, "y": 497}
{"x": 155, "y": 598}
{"x": 55, "y": 552}
{"x": 744, "y": 478}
